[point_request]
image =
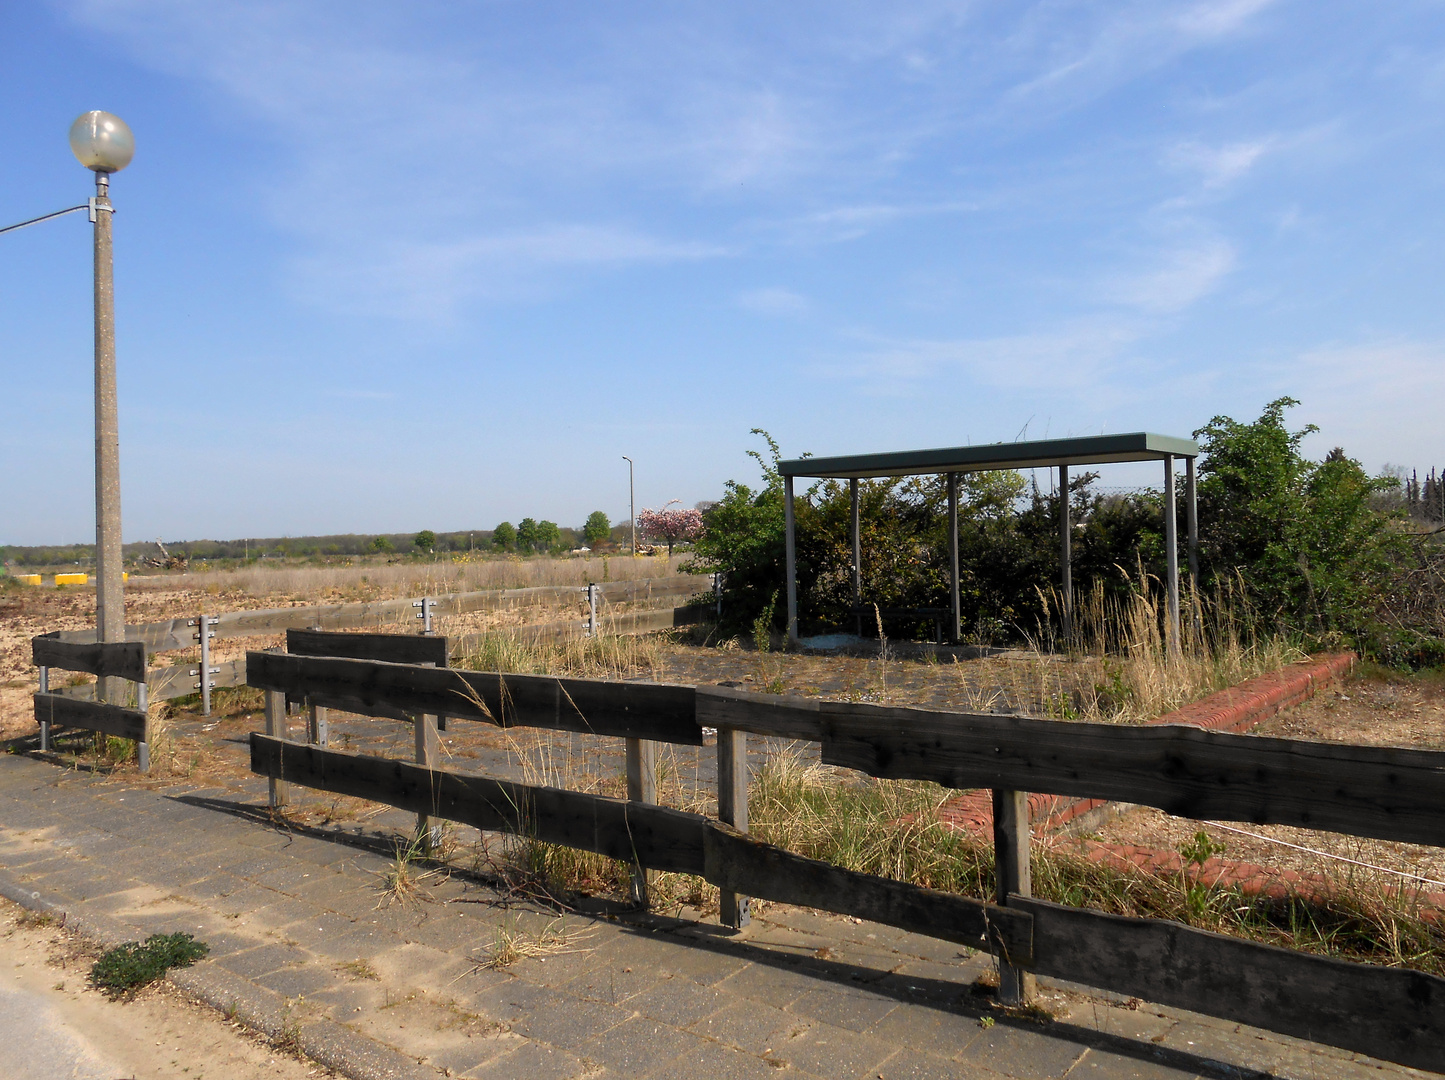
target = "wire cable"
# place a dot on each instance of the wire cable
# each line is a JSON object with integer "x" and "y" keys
{"x": 45, "y": 217}
{"x": 1329, "y": 855}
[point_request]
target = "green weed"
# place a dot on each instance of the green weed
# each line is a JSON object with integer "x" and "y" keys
{"x": 123, "y": 970}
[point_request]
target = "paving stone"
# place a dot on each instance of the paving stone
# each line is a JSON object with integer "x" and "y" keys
{"x": 1103, "y": 1065}
{"x": 359, "y": 943}
{"x": 773, "y": 984}
{"x": 1142, "y": 1023}
{"x": 678, "y": 1001}
{"x": 638, "y": 1046}
{"x": 297, "y": 982}
{"x": 854, "y": 1010}
{"x": 747, "y": 1025}
{"x": 262, "y": 960}
{"x": 1021, "y": 1052}
{"x": 716, "y": 1061}
{"x": 701, "y": 965}
{"x": 940, "y": 1031}
{"x": 567, "y": 1022}
{"x": 614, "y": 982}
{"x": 835, "y": 1052}
{"x": 915, "y": 1064}
{"x": 533, "y": 1062}
{"x": 467, "y": 1054}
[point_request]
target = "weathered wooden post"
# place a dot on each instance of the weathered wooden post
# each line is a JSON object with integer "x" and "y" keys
{"x": 428, "y": 755}
{"x": 732, "y": 809}
{"x": 276, "y": 727}
{"x": 641, "y": 787}
{"x": 1011, "y": 869}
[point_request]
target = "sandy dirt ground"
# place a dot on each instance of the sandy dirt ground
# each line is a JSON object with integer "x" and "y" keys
{"x": 54, "y": 1025}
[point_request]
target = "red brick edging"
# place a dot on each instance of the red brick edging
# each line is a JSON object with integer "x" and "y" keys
{"x": 1236, "y": 709}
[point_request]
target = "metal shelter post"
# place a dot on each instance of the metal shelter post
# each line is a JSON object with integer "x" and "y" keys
{"x": 955, "y": 601}
{"x": 1066, "y": 569}
{"x": 1171, "y": 549}
{"x": 791, "y": 559}
{"x": 857, "y": 534}
{"x": 1191, "y": 522}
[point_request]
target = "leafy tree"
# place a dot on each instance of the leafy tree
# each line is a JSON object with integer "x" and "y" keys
{"x": 744, "y": 540}
{"x": 504, "y": 537}
{"x": 669, "y": 525}
{"x": 527, "y": 535}
{"x": 597, "y": 528}
{"x": 381, "y": 544}
{"x": 426, "y": 540}
{"x": 549, "y": 537}
{"x": 1300, "y": 535}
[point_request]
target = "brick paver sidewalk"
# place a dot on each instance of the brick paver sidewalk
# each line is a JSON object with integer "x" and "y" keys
{"x": 304, "y": 946}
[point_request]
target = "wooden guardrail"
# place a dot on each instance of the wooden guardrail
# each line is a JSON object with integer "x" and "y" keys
{"x": 105, "y": 660}
{"x": 1394, "y": 794}
{"x": 177, "y": 633}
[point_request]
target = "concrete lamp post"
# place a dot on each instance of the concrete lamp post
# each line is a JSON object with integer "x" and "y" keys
{"x": 631, "y": 503}
{"x": 104, "y": 144}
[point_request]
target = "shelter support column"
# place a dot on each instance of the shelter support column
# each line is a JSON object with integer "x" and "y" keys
{"x": 955, "y": 600}
{"x": 1191, "y": 522}
{"x": 1171, "y": 549}
{"x": 791, "y": 557}
{"x": 855, "y": 527}
{"x": 1066, "y": 569}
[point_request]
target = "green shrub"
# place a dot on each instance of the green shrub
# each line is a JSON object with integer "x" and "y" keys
{"x": 126, "y": 968}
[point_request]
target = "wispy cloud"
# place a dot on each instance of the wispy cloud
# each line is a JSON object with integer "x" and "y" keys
{"x": 773, "y": 301}
{"x": 1219, "y": 166}
{"x": 1178, "y": 278}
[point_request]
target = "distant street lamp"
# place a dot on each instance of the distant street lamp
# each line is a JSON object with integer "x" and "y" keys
{"x": 631, "y": 503}
{"x": 104, "y": 144}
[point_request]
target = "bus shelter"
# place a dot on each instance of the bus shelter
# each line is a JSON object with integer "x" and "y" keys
{"x": 949, "y": 463}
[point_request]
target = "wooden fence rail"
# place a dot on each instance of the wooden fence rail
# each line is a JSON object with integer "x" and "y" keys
{"x": 1394, "y": 794}
{"x": 171, "y": 634}
{"x": 108, "y": 661}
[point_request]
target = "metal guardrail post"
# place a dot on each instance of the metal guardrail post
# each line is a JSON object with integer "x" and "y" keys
{"x": 143, "y": 748}
{"x": 426, "y": 603}
{"x": 45, "y": 724}
{"x": 204, "y": 634}
{"x": 592, "y": 594}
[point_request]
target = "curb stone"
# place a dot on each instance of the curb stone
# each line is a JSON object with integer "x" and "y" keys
{"x": 324, "y": 1041}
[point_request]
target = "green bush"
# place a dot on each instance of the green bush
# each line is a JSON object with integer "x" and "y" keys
{"x": 126, "y": 968}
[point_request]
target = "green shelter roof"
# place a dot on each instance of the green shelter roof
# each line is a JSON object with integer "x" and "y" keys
{"x": 1039, "y": 453}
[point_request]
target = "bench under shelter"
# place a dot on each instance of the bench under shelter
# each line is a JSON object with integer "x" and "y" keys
{"x": 949, "y": 463}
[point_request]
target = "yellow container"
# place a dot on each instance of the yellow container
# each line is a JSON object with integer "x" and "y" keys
{"x": 71, "y": 579}
{"x": 28, "y": 579}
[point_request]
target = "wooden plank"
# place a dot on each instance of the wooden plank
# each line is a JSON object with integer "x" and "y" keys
{"x": 124, "y": 723}
{"x": 641, "y": 759}
{"x": 1381, "y": 792}
{"x": 1392, "y": 1013}
{"x": 631, "y": 710}
{"x": 652, "y": 835}
{"x": 125, "y": 659}
{"x": 276, "y": 727}
{"x": 394, "y": 648}
{"x": 762, "y": 714}
{"x": 742, "y": 864}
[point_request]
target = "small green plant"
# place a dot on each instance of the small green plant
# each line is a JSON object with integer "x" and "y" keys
{"x": 1196, "y": 853}
{"x": 985, "y": 1022}
{"x": 763, "y": 625}
{"x": 123, "y": 970}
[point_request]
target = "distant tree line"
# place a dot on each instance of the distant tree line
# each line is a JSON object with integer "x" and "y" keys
{"x": 530, "y": 537}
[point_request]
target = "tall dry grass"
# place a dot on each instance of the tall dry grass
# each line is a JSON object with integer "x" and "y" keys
{"x": 1119, "y": 665}
{"x": 890, "y": 828}
{"x": 605, "y": 656}
{"x": 377, "y": 580}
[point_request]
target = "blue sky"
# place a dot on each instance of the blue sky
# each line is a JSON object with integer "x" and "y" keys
{"x": 394, "y": 266}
